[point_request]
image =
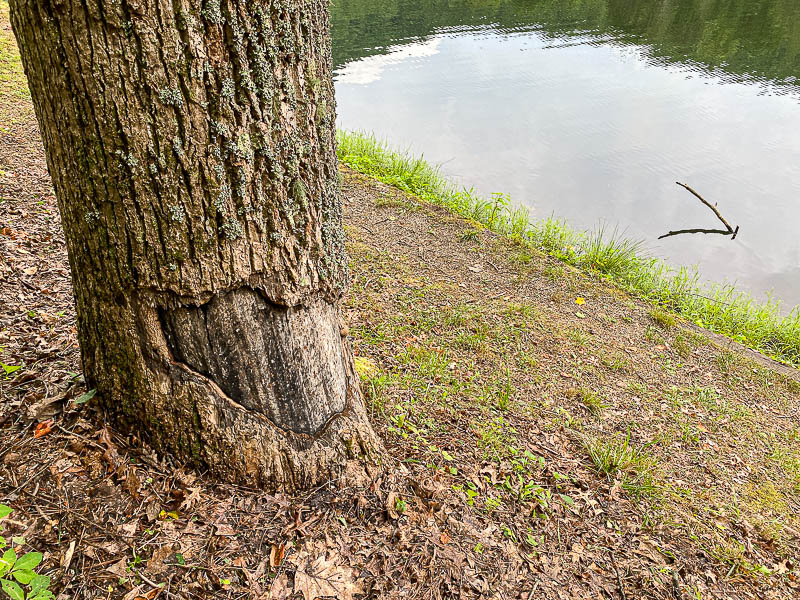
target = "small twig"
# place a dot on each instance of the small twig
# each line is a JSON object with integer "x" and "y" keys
{"x": 619, "y": 579}
{"x": 158, "y": 586}
{"x": 682, "y": 231}
{"x": 708, "y": 204}
{"x": 727, "y": 231}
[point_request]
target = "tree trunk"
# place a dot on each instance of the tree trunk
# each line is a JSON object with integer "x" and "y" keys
{"x": 192, "y": 149}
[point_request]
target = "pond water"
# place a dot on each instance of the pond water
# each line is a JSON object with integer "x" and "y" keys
{"x": 592, "y": 109}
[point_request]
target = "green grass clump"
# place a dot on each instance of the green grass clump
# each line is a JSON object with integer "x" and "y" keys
{"x": 662, "y": 318}
{"x": 616, "y": 456}
{"x": 719, "y": 308}
{"x": 591, "y": 400}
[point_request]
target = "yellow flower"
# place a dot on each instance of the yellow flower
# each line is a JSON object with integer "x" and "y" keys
{"x": 579, "y": 301}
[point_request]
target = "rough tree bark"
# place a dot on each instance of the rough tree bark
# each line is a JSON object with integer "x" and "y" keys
{"x": 192, "y": 150}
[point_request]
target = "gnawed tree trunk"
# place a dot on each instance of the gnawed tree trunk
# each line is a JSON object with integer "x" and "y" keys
{"x": 192, "y": 149}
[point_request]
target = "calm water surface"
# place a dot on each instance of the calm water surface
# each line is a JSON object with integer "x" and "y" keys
{"x": 592, "y": 109}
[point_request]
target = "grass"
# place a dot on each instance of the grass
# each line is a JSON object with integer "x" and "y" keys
{"x": 616, "y": 456}
{"x": 716, "y": 307}
{"x": 590, "y": 399}
{"x": 14, "y": 94}
{"x": 662, "y": 318}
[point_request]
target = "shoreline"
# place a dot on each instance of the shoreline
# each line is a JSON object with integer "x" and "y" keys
{"x": 718, "y": 308}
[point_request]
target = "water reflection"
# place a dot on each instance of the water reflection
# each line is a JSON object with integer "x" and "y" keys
{"x": 592, "y": 109}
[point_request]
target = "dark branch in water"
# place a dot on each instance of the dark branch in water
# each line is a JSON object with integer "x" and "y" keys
{"x": 727, "y": 231}
{"x": 681, "y": 231}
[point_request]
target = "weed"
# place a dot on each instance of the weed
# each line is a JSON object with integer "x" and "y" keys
{"x": 638, "y": 388}
{"x": 553, "y": 272}
{"x": 717, "y": 405}
{"x": 654, "y": 335}
{"x": 578, "y": 337}
{"x": 610, "y": 254}
{"x": 662, "y": 318}
{"x": 682, "y": 346}
{"x": 527, "y": 311}
{"x": 566, "y": 419}
{"x": 504, "y": 393}
{"x": 635, "y": 465}
{"x": 492, "y": 504}
{"x": 393, "y": 202}
{"x": 725, "y": 360}
{"x": 469, "y": 235}
{"x": 590, "y": 399}
{"x": 9, "y": 369}
{"x": 690, "y": 433}
{"x": 496, "y": 438}
{"x": 616, "y": 454}
{"x": 617, "y": 362}
{"x": 16, "y": 569}
{"x": 400, "y": 506}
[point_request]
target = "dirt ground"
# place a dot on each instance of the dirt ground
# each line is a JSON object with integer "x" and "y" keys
{"x": 547, "y": 435}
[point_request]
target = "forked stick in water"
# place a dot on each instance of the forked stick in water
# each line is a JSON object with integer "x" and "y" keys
{"x": 727, "y": 231}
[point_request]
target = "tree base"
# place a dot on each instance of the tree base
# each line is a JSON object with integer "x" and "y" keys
{"x": 186, "y": 413}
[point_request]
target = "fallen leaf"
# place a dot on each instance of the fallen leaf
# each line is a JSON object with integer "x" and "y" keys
{"x": 67, "y": 559}
{"x": 119, "y": 568}
{"x": 444, "y": 538}
{"x": 650, "y": 550}
{"x": 322, "y": 577}
{"x": 225, "y": 530}
{"x": 276, "y": 555}
{"x": 134, "y": 593}
{"x": 782, "y": 567}
{"x": 280, "y": 588}
{"x": 157, "y": 563}
{"x": 193, "y": 497}
{"x": 43, "y": 428}
{"x": 391, "y": 500}
{"x": 45, "y": 408}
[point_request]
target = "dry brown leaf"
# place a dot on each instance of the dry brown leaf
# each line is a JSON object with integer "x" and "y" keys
{"x": 391, "y": 501}
{"x": 43, "y": 428}
{"x": 276, "y": 554}
{"x": 134, "y": 593}
{"x": 225, "y": 530}
{"x": 156, "y": 564}
{"x": 192, "y": 498}
{"x": 280, "y": 588}
{"x": 119, "y": 568}
{"x": 650, "y": 550}
{"x": 322, "y": 577}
